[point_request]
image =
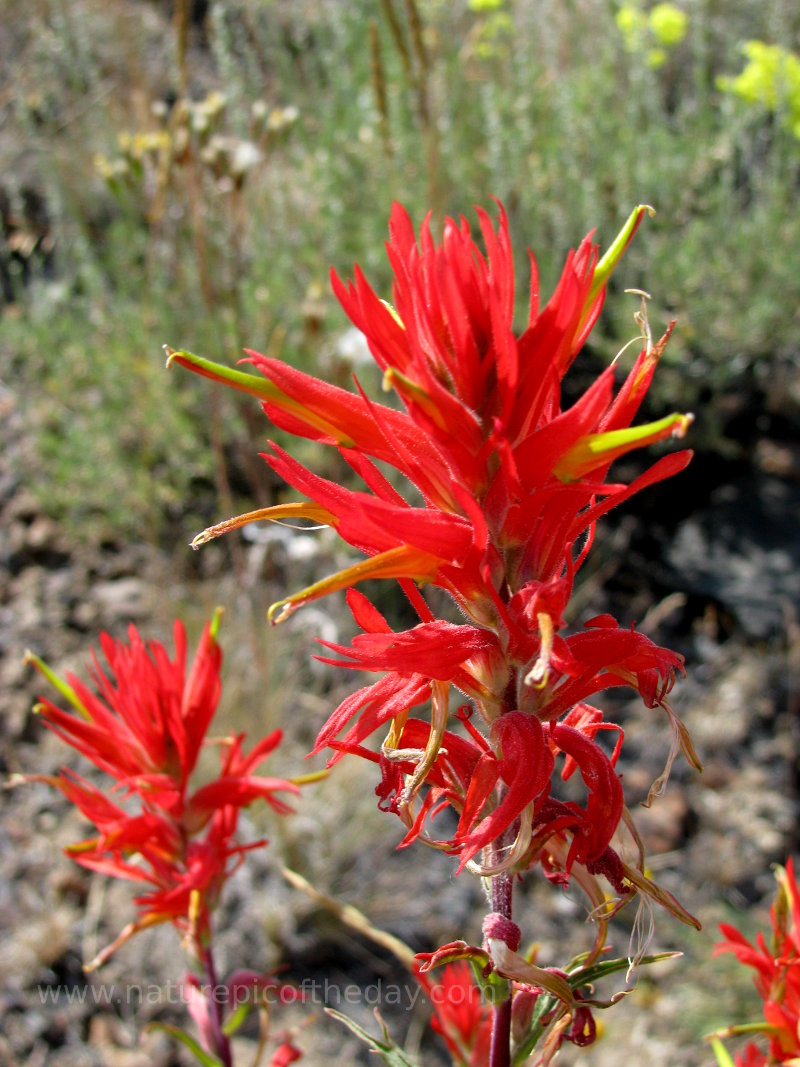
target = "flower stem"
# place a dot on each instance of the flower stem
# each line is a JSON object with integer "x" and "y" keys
{"x": 501, "y": 900}
{"x": 222, "y": 1046}
{"x": 500, "y": 1054}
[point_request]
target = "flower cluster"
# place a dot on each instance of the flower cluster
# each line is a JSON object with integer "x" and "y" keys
{"x": 144, "y": 727}
{"x": 777, "y": 977}
{"x": 504, "y": 490}
{"x": 482, "y": 484}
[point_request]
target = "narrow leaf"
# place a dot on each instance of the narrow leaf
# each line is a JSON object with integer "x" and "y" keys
{"x": 590, "y": 975}
{"x": 199, "y": 1053}
{"x": 388, "y": 1051}
{"x": 237, "y": 1017}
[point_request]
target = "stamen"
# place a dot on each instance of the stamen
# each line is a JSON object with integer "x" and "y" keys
{"x": 538, "y": 674}
{"x": 440, "y": 706}
{"x": 641, "y": 320}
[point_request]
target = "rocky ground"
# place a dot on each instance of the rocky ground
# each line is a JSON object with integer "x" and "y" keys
{"x": 719, "y": 581}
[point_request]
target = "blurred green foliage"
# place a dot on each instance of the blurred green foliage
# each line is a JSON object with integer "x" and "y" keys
{"x": 201, "y": 178}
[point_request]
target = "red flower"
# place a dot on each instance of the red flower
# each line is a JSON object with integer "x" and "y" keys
{"x": 777, "y": 967}
{"x": 147, "y": 722}
{"x": 525, "y": 766}
{"x": 144, "y": 728}
{"x": 503, "y": 488}
{"x": 287, "y": 1052}
{"x": 460, "y": 1014}
{"x": 433, "y": 651}
{"x": 503, "y": 472}
{"x": 751, "y": 1057}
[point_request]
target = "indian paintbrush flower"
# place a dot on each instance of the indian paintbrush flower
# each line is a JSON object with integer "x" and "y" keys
{"x": 777, "y": 977}
{"x": 494, "y": 499}
{"x": 511, "y": 486}
{"x": 143, "y": 725}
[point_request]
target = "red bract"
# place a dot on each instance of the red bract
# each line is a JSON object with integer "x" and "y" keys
{"x": 460, "y": 1014}
{"x": 777, "y": 978}
{"x": 287, "y": 1052}
{"x": 500, "y": 467}
{"x": 752, "y": 1057}
{"x": 499, "y": 494}
{"x": 144, "y": 728}
{"x": 147, "y": 720}
{"x": 524, "y": 766}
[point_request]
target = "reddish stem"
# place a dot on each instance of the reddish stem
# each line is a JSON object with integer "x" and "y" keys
{"x": 500, "y": 1055}
{"x": 222, "y": 1045}
{"x": 502, "y": 889}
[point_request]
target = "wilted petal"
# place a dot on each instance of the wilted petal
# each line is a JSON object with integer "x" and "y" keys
{"x": 524, "y": 763}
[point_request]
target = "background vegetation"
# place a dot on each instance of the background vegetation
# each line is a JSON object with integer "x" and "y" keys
{"x": 192, "y": 181}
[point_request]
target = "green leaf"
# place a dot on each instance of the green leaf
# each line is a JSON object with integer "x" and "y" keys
{"x": 199, "y": 1053}
{"x": 236, "y": 1018}
{"x": 590, "y": 975}
{"x": 386, "y": 1048}
{"x": 544, "y": 1004}
{"x": 494, "y": 988}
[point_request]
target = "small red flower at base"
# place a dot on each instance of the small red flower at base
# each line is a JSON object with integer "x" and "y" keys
{"x": 460, "y": 1014}
{"x": 752, "y": 1057}
{"x": 777, "y": 978}
{"x": 285, "y": 1053}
